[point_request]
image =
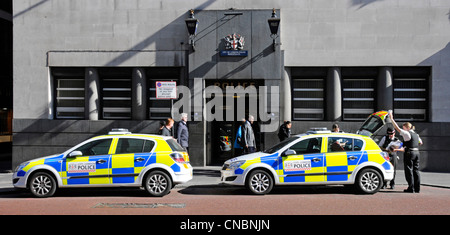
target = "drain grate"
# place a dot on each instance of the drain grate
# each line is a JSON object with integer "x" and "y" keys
{"x": 139, "y": 205}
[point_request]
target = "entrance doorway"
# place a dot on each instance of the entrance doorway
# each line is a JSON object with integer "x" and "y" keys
{"x": 221, "y": 135}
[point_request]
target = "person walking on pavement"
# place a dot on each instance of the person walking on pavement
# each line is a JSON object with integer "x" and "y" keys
{"x": 167, "y": 128}
{"x": 248, "y": 136}
{"x": 238, "y": 148}
{"x": 411, "y": 156}
{"x": 387, "y": 144}
{"x": 183, "y": 132}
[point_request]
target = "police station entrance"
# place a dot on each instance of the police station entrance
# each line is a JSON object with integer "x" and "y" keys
{"x": 221, "y": 135}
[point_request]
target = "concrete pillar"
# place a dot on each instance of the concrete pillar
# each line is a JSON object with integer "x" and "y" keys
{"x": 333, "y": 95}
{"x": 92, "y": 91}
{"x": 286, "y": 96}
{"x": 138, "y": 94}
{"x": 385, "y": 89}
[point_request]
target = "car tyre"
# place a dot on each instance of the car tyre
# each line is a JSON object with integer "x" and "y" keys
{"x": 259, "y": 182}
{"x": 42, "y": 185}
{"x": 158, "y": 183}
{"x": 369, "y": 181}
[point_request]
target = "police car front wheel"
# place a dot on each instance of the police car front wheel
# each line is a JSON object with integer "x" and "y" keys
{"x": 42, "y": 184}
{"x": 259, "y": 182}
{"x": 158, "y": 183}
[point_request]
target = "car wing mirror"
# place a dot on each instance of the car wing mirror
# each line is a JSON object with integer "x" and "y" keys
{"x": 289, "y": 152}
{"x": 75, "y": 154}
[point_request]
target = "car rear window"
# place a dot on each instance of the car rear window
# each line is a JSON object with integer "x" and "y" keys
{"x": 339, "y": 144}
{"x": 174, "y": 145}
{"x": 129, "y": 145}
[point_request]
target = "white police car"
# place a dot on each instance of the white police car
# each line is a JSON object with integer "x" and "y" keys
{"x": 315, "y": 158}
{"x": 119, "y": 159}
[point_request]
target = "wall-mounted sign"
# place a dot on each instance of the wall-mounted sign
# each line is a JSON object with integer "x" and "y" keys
{"x": 166, "y": 90}
{"x": 234, "y": 53}
{"x": 234, "y": 45}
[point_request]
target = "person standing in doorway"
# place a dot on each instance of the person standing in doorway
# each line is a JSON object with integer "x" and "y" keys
{"x": 411, "y": 156}
{"x": 248, "y": 136}
{"x": 285, "y": 130}
{"x": 183, "y": 132}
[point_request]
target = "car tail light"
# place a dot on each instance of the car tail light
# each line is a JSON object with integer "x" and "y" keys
{"x": 385, "y": 156}
{"x": 178, "y": 157}
{"x": 186, "y": 156}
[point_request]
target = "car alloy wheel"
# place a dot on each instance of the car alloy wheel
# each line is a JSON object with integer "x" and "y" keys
{"x": 158, "y": 183}
{"x": 42, "y": 185}
{"x": 369, "y": 181}
{"x": 259, "y": 182}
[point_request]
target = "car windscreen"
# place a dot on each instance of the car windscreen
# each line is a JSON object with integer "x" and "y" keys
{"x": 280, "y": 145}
{"x": 175, "y": 146}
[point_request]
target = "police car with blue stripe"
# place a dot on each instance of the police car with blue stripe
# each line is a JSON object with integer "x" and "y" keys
{"x": 119, "y": 159}
{"x": 316, "y": 158}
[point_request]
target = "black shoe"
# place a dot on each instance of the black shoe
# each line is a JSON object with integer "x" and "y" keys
{"x": 392, "y": 187}
{"x": 408, "y": 191}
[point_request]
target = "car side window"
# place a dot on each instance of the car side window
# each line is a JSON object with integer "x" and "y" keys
{"x": 357, "y": 144}
{"x": 341, "y": 144}
{"x": 148, "y": 146}
{"x": 308, "y": 146}
{"x": 96, "y": 147}
{"x": 128, "y": 145}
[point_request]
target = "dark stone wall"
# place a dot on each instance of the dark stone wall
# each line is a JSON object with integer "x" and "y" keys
{"x": 41, "y": 137}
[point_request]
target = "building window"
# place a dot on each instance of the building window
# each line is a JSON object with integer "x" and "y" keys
{"x": 358, "y": 92}
{"x": 69, "y": 90}
{"x": 159, "y": 108}
{"x": 411, "y": 93}
{"x": 308, "y": 93}
{"x": 116, "y": 92}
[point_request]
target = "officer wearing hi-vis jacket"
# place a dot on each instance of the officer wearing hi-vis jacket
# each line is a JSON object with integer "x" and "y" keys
{"x": 411, "y": 156}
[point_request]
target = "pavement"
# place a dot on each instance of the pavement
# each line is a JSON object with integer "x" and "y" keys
{"x": 211, "y": 176}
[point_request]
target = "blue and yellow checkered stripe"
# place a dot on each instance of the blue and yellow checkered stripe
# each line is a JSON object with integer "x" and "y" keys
{"x": 125, "y": 167}
{"x": 117, "y": 168}
{"x": 332, "y": 167}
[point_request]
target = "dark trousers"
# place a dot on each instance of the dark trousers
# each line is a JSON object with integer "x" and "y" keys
{"x": 238, "y": 151}
{"x": 250, "y": 149}
{"x": 393, "y": 160}
{"x": 411, "y": 164}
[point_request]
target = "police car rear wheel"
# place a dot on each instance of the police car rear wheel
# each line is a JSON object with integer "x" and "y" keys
{"x": 158, "y": 183}
{"x": 42, "y": 185}
{"x": 369, "y": 181}
{"x": 259, "y": 182}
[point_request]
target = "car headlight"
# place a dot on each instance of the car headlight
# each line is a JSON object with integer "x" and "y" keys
{"x": 21, "y": 166}
{"x": 235, "y": 165}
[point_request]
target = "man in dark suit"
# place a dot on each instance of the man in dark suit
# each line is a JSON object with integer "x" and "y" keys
{"x": 183, "y": 132}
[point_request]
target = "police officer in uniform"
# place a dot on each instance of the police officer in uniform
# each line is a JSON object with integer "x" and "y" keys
{"x": 392, "y": 151}
{"x": 411, "y": 156}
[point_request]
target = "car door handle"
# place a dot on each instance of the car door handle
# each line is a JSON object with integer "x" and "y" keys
{"x": 316, "y": 159}
{"x": 101, "y": 161}
{"x": 352, "y": 158}
{"x": 139, "y": 159}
